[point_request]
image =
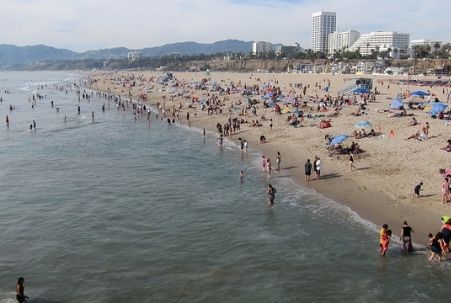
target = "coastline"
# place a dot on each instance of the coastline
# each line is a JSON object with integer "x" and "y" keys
{"x": 370, "y": 203}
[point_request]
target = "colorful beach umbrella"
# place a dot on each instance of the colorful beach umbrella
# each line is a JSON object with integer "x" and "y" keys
{"x": 338, "y": 139}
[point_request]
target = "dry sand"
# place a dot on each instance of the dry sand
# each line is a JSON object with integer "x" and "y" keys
{"x": 381, "y": 187}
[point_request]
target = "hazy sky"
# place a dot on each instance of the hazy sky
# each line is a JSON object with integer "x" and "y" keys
{"x": 91, "y": 24}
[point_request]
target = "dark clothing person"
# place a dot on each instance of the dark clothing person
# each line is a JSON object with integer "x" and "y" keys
{"x": 20, "y": 295}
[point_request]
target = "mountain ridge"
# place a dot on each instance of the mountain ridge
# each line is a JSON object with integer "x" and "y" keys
{"x": 13, "y": 55}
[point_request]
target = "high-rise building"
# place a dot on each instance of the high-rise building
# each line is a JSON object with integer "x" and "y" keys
{"x": 261, "y": 47}
{"x": 323, "y": 24}
{"x": 339, "y": 41}
{"x": 382, "y": 41}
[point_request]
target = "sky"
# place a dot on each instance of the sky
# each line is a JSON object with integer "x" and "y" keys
{"x": 82, "y": 25}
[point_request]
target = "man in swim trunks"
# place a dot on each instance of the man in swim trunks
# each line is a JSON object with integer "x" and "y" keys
{"x": 20, "y": 289}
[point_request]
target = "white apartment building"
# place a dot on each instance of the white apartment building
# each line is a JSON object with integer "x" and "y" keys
{"x": 382, "y": 41}
{"x": 261, "y": 47}
{"x": 342, "y": 40}
{"x": 323, "y": 24}
{"x": 431, "y": 43}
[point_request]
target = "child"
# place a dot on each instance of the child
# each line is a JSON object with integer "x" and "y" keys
{"x": 430, "y": 238}
{"x": 384, "y": 239}
{"x": 417, "y": 189}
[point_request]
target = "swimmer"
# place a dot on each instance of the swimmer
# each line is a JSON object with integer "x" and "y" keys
{"x": 241, "y": 176}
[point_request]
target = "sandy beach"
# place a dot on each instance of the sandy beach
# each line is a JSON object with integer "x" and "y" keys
{"x": 379, "y": 189}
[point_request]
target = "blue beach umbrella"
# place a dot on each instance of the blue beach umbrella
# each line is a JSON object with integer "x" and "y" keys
{"x": 363, "y": 124}
{"x": 396, "y": 103}
{"x": 437, "y": 108}
{"x": 420, "y": 93}
{"x": 338, "y": 139}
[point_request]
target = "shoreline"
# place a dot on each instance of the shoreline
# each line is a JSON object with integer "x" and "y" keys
{"x": 369, "y": 203}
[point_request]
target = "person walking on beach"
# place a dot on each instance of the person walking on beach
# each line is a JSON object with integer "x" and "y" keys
{"x": 308, "y": 170}
{"x": 20, "y": 291}
{"x": 445, "y": 191}
{"x": 278, "y": 160}
{"x": 351, "y": 161}
{"x": 384, "y": 239}
{"x": 406, "y": 237}
{"x": 417, "y": 189}
{"x": 271, "y": 195}
{"x": 318, "y": 167}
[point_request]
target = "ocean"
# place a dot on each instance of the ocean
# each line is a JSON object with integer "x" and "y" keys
{"x": 117, "y": 210}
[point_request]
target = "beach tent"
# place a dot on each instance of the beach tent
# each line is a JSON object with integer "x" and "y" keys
{"x": 437, "y": 108}
{"x": 420, "y": 93}
{"x": 338, "y": 139}
{"x": 396, "y": 103}
{"x": 360, "y": 90}
{"x": 363, "y": 124}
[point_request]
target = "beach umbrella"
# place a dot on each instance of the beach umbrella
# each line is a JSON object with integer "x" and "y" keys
{"x": 363, "y": 124}
{"x": 437, "y": 108}
{"x": 338, "y": 139}
{"x": 420, "y": 93}
{"x": 360, "y": 90}
{"x": 396, "y": 103}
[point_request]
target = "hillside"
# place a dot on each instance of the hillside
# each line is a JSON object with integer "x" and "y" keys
{"x": 12, "y": 56}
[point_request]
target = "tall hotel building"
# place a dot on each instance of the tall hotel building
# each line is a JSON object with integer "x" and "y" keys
{"x": 323, "y": 24}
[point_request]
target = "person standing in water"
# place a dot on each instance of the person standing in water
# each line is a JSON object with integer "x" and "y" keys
{"x": 278, "y": 160}
{"x": 7, "y": 121}
{"x": 268, "y": 167}
{"x": 92, "y": 115}
{"x": 406, "y": 237}
{"x": 20, "y": 290}
{"x": 384, "y": 239}
{"x": 241, "y": 176}
{"x": 271, "y": 191}
{"x": 34, "y": 124}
